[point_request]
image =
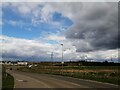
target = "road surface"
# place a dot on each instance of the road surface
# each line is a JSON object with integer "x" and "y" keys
{"x": 34, "y": 80}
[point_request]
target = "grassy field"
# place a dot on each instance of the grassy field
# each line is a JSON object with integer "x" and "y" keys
{"x": 7, "y": 80}
{"x": 109, "y": 74}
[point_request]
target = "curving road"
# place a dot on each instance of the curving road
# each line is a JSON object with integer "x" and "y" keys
{"x": 34, "y": 80}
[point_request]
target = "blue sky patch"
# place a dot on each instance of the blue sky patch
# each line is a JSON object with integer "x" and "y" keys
{"x": 17, "y": 26}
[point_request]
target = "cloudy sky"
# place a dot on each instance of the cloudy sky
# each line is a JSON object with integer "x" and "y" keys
{"x": 32, "y": 31}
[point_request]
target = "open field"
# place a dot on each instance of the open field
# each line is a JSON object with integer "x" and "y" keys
{"x": 108, "y": 74}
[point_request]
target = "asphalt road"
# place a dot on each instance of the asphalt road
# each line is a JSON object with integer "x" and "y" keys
{"x": 34, "y": 80}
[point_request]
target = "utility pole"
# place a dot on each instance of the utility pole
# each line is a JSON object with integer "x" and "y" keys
{"x": 51, "y": 61}
{"x": 52, "y": 58}
{"x": 62, "y": 58}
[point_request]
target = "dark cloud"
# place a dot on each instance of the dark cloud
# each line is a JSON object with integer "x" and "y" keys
{"x": 96, "y": 26}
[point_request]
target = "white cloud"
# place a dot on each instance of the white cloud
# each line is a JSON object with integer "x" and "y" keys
{"x": 24, "y": 47}
{"x": 37, "y": 13}
{"x": 27, "y": 48}
{"x": 77, "y": 12}
{"x": 25, "y": 8}
{"x": 60, "y": 1}
{"x": 95, "y": 25}
{"x": 55, "y": 37}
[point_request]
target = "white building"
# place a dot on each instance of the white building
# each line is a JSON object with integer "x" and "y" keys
{"x": 1, "y": 62}
{"x": 22, "y": 63}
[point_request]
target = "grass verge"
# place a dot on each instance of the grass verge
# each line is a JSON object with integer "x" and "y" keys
{"x": 7, "y": 80}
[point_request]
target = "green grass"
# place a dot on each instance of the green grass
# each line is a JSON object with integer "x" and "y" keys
{"x": 7, "y": 80}
{"x": 109, "y": 77}
{"x": 94, "y": 76}
{"x": 80, "y": 67}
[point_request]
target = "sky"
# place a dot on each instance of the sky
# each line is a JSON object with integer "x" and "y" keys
{"x": 32, "y": 31}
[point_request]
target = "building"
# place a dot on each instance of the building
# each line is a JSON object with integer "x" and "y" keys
{"x": 22, "y": 63}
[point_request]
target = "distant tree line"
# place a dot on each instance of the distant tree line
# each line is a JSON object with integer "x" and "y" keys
{"x": 79, "y": 63}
